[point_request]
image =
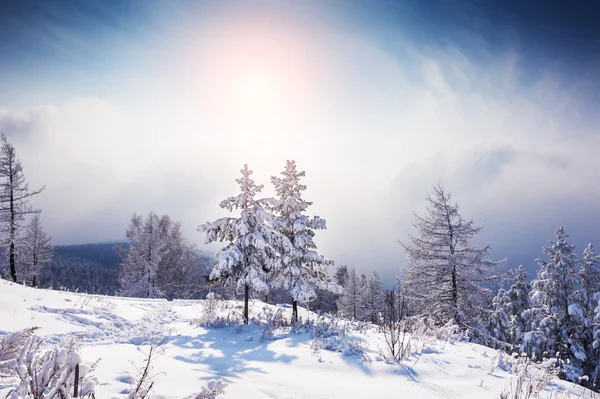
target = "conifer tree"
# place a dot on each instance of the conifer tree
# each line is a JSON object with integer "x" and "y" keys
{"x": 36, "y": 250}
{"x": 589, "y": 274}
{"x": 595, "y": 349}
{"x": 341, "y": 275}
{"x": 557, "y": 315}
{"x": 499, "y": 322}
{"x": 586, "y": 298}
{"x": 518, "y": 302}
{"x": 445, "y": 268}
{"x": 249, "y": 254}
{"x": 349, "y": 301}
{"x": 374, "y": 299}
{"x": 147, "y": 245}
{"x": 14, "y": 201}
{"x": 301, "y": 270}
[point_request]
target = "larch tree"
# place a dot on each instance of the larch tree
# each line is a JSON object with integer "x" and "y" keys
{"x": 373, "y": 299}
{"x": 445, "y": 268}
{"x": 349, "y": 301}
{"x": 249, "y": 254}
{"x": 14, "y": 201}
{"x": 147, "y": 243}
{"x": 179, "y": 272}
{"x": 35, "y": 250}
{"x": 300, "y": 269}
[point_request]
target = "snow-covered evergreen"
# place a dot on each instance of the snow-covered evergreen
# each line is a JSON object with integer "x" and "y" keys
{"x": 517, "y": 303}
{"x": 499, "y": 321}
{"x": 587, "y": 298}
{"x": 445, "y": 267}
{"x": 589, "y": 274}
{"x": 556, "y": 314}
{"x": 249, "y": 253}
{"x": 300, "y": 269}
{"x": 595, "y": 349}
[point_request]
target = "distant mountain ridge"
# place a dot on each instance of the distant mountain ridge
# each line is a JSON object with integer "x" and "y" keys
{"x": 105, "y": 253}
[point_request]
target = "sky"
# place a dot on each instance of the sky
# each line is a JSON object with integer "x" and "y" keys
{"x": 119, "y": 107}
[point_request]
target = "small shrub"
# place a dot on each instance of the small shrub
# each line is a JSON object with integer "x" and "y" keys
{"x": 48, "y": 374}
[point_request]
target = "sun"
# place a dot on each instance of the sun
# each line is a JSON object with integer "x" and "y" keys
{"x": 258, "y": 89}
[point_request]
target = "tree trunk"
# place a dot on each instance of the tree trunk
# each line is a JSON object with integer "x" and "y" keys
{"x": 33, "y": 284}
{"x": 294, "y": 311}
{"x": 11, "y": 260}
{"x": 13, "y": 269}
{"x": 455, "y": 294}
{"x": 246, "y": 295}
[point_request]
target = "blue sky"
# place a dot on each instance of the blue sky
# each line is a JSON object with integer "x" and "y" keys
{"x": 121, "y": 107}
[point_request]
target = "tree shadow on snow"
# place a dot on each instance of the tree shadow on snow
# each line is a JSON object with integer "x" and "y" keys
{"x": 224, "y": 352}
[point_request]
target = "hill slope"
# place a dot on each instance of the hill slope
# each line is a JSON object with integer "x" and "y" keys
{"x": 113, "y": 329}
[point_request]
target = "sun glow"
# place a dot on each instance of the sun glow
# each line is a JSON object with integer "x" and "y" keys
{"x": 258, "y": 89}
{"x": 251, "y": 75}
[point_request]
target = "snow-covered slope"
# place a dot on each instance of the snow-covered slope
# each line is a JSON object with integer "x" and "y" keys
{"x": 117, "y": 330}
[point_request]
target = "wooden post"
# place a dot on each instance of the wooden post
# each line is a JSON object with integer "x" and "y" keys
{"x": 76, "y": 384}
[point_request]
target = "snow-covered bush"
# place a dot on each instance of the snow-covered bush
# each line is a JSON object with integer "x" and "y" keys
{"x": 11, "y": 346}
{"x": 40, "y": 373}
{"x": 211, "y": 308}
{"x": 397, "y": 340}
{"x": 331, "y": 333}
{"x": 232, "y": 318}
{"x": 531, "y": 377}
{"x": 48, "y": 374}
{"x": 213, "y": 313}
{"x": 272, "y": 320}
{"x": 212, "y": 389}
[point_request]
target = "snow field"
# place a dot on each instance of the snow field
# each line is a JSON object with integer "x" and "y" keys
{"x": 118, "y": 331}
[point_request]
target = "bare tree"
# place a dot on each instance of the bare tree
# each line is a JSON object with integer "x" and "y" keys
{"x": 14, "y": 200}
{"x": 36, "y": 249}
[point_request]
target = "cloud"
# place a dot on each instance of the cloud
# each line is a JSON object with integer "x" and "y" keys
{"x": 99, "y": 167}
{"x": 374, "y": 125}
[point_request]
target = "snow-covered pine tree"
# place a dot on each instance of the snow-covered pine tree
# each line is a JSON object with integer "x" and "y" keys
{"x": 14, "y": 201}
{"x": 249, "y": 254}
{"x": 518, "y": 302}
{"x": 147, "y": 243}
{"x": 35, "y": 250}
{"x": 499, "y": 322}
{"x": 445, "y": 268}
{"x": 301, "y": 270}
{"x": 557, "y": 315}
{"x": 595, "y": 350}
{"x": 341, "y": 275}
{"x": 585, "y": 296}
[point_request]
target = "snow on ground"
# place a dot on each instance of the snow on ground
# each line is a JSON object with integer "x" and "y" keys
{"x": 119, "y": 330}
